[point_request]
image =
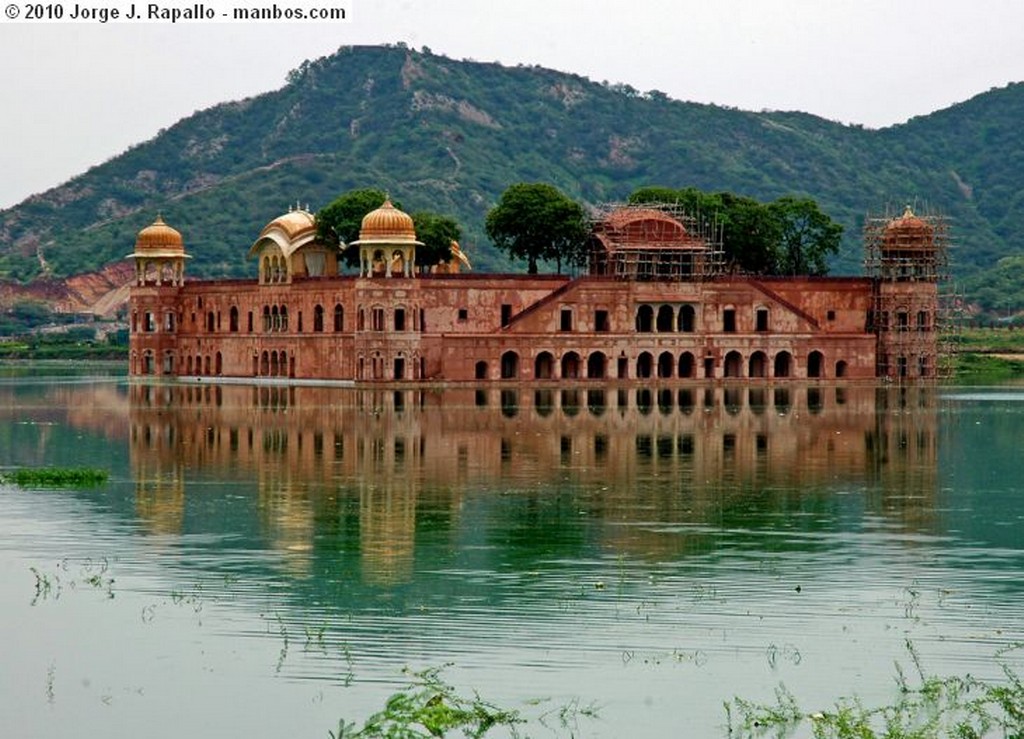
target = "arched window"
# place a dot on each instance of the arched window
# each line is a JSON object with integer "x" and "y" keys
{"x": 509, "y": 366}
{"x": 543, "y": 366}
{"x": 318, "y": 319}
{"x": 687, "y": 319}
{"x": 783, "y": 364}
{"x": 233, "y": 319}
{"x": 480, "y": 370}
{"x": 645, "y": 319}
{"x": 687, "y": 365}
{"x": 733, "y": 366}
{"x": 815, "y": 364}
{"x": 666, "y": 318}
{"x": 761, "y": 320}
{"x": 339, "y": 318}
{"x": 758, "y": 365}
{"x": 571, "y": 365}
{"x": 644, "y": 365}
{"x": 666, "y": 363}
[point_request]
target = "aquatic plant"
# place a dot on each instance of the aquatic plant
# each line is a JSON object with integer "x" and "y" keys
{"x": 64, "y": 477}
{"x": 936, "y": 707}
{"x": 430, "y": 707}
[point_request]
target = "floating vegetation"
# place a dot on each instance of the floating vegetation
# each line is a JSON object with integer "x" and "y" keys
{"x": 90, "y": 573}
{"x": 56, "y": 477}
{"x": 429, "y": 707}
{"x": 937, "y": 707}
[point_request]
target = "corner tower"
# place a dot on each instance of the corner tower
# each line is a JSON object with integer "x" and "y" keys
{"x": 159, "y": 276}
{"x": 906, "y": 258}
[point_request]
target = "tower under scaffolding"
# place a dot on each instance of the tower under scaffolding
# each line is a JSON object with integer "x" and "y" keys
{"x": 654, "y": 242}
{"x": 913, "y": 312}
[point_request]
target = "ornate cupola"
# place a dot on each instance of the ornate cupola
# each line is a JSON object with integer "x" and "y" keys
{"x": 159, "y": 255}
{"x": 387, "y": 243}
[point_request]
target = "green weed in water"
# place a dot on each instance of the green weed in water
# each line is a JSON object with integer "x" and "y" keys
{"x": 57, "y": 477}
{"x": 933, "y": 708}
{"x": 429, "y": 707}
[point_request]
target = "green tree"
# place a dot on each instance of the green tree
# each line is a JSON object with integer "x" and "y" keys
{"x": 338, "y": 222}
{"x": 694, "y": 202}
{"x": 807, "y": 236}
{"x": 750, "y": 234}
{"x": 31, "y": 313}
{"x": 535, "y": 221}
{"x": 437, "y": 234}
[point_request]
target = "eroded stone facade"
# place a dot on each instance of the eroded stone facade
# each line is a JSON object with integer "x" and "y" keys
{"x": 655, "y": 313}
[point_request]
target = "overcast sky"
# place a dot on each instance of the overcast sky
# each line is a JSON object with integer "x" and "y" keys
{"x": 75, "y": 95}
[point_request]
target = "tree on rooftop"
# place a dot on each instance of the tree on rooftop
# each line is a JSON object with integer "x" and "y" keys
{"x": 750, "y": 234}
{"x": 790, "y": 236}
{"x": 437, "y": 233}
{"x": 338, "y": 222}
{"x": 535, "y": 221}
{"x": 807, "y": 236}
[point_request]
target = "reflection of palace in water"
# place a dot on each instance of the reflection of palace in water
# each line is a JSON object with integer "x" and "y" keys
{"x": 680, "y": 454}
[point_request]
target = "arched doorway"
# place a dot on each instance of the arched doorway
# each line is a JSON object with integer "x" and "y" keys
{"x": 644, "y": 364}
{"x": 543, "y": 366}
{"x": 571, "y": 366}
{"x": 509, "y": 366}
{"x": 815, "y": 362}
{"x": 687, "y": 365}
{"x": 596, "y": 366}
{"x": 666, "y": 364}
{"x": 783, "y": 364}
{"x": 687, "y": 319}
{"x": 666, "y": 319}
{"x": 645, "y": 319}
{"x": 757, "y": 366}
{"x": 733, "y": 366}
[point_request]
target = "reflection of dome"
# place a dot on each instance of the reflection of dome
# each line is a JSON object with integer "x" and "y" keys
{"x": 159, "y": 240}
{"x": 387, "y": 224}
{"x": 294, "y": 224}
{"x": 908, "y": 232}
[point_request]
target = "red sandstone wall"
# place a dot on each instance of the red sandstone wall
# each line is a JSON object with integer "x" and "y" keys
{"x": 453, "y": 327}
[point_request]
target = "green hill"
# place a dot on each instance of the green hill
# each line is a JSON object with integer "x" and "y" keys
{"x": 450, "y": 136}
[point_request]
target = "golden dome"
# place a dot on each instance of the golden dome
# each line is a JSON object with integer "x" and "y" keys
{"x": 294, "y": 224}
{"x": 159, "y": 239}
{"x": 387, "y": 224}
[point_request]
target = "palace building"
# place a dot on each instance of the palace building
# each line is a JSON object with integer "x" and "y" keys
{"x": 654, "y": 303}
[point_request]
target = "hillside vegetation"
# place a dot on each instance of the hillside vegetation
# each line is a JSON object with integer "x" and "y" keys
{"x": 449, "y": 136}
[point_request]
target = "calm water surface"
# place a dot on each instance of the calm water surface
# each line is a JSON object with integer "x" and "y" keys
{"x": 266, "y": 560}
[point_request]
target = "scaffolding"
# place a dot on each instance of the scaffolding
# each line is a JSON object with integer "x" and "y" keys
{"x": 913, "y": 311}
{"x": 654, "y": 241}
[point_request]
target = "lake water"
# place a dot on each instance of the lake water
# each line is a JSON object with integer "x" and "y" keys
{"x": 265, "y": 561}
